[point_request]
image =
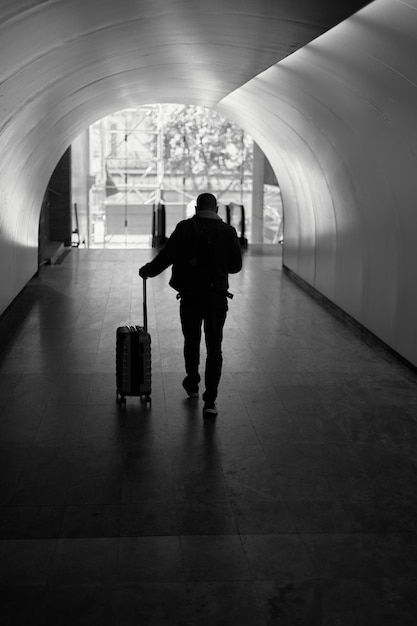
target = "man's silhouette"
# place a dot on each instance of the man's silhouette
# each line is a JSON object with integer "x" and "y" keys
{"x": 203, "y": 251}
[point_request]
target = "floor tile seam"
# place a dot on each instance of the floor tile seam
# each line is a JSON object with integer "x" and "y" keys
{"x": 254, "y": 489}
{"x": 293, "y": 423}
{"x": 92, "y": 506}
{"x": 35, "y": 440}
{"x": 243, "y": 551}
{"x": 251, "y": 567}
{"x": 280, "y": 495}
{"x": 189, "y": 578}
{"x": 183, "y": 563}
{"x": 347, "y": 444}
{"x": 37, "y": 542}
{"x": 368, "y": 534}
{"x": 29, "y": 450}
{"x": 209, "y": 536}
{"x": 163, "y": 383}
{"x": 345, "y": 501}
{"x": 116, "y": 585}
{"x": 179, "y": 501}
{"x": 371, "y": 545}
{"x": 308, "y": 552}
{"x": 118, "y": 534}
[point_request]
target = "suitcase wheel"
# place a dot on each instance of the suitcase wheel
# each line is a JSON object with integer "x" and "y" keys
{"x": 120, "y": 400}
{"x": 147, "y": 399}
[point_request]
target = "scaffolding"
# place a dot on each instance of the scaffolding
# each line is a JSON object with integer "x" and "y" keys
{"x": 126, "y": 160}
{"x": 133, "y": 167}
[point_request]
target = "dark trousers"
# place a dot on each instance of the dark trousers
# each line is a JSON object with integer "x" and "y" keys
{"x": 211, "y": 308}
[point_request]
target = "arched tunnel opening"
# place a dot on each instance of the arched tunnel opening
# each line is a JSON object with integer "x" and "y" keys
{"x": 104, "y": 189}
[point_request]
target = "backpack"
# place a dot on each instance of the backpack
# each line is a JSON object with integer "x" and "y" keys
{"x": 203, "y": 258}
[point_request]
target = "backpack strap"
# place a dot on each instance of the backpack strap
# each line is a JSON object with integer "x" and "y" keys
{"x": 205, "y": 243}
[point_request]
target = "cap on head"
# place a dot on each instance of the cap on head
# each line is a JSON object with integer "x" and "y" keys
{"x": 206, "y": 202}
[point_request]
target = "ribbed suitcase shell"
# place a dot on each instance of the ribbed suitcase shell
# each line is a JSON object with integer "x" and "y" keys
{"x": 133, "y": 363}
{"x": 133, "y": 359}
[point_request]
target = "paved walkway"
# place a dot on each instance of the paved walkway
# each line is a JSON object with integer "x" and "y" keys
{"x": 298, "y": 505}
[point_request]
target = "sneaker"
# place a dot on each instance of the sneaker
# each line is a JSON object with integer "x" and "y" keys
{"x": 210, "y": 409}
{"x": 192, "y": 390}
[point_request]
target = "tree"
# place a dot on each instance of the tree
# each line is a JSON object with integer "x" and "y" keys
{"x": 205, "y": 149}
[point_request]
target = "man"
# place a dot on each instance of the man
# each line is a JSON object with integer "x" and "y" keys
{"x": 203, "y": 251}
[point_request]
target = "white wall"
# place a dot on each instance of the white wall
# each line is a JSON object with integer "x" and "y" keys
{"x": 80, "y": 168}
{"x": 337, "y": 122}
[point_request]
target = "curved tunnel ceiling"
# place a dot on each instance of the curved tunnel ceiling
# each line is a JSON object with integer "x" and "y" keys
{"x": 66, "y": 63}
{"x": 89, "y": 57}
{"x": 177, "y": 49}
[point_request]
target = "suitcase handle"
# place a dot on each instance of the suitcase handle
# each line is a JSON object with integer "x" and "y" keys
{"x": 145, "y": 307}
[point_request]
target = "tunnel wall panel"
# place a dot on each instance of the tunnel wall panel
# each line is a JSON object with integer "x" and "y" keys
{"x": 340, "y": 114}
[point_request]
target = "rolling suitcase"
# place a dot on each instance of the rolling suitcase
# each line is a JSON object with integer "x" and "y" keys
{"x": 133, "y": 359}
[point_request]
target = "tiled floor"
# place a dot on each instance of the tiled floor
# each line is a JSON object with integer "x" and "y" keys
{"x": 297, "y": 506}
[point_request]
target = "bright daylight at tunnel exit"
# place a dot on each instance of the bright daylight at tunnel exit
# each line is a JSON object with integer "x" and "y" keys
{"x": 138, "y": 159}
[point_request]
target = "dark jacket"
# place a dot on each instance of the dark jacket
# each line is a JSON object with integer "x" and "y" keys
{"x": 203, "y": 250}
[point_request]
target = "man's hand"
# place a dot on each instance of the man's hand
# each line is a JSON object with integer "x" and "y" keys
{"x": 142, "y": 272}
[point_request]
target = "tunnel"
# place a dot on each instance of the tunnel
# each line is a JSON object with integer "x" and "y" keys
{"x": 325, "y": 89}
{"x": 297, "y": 505}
